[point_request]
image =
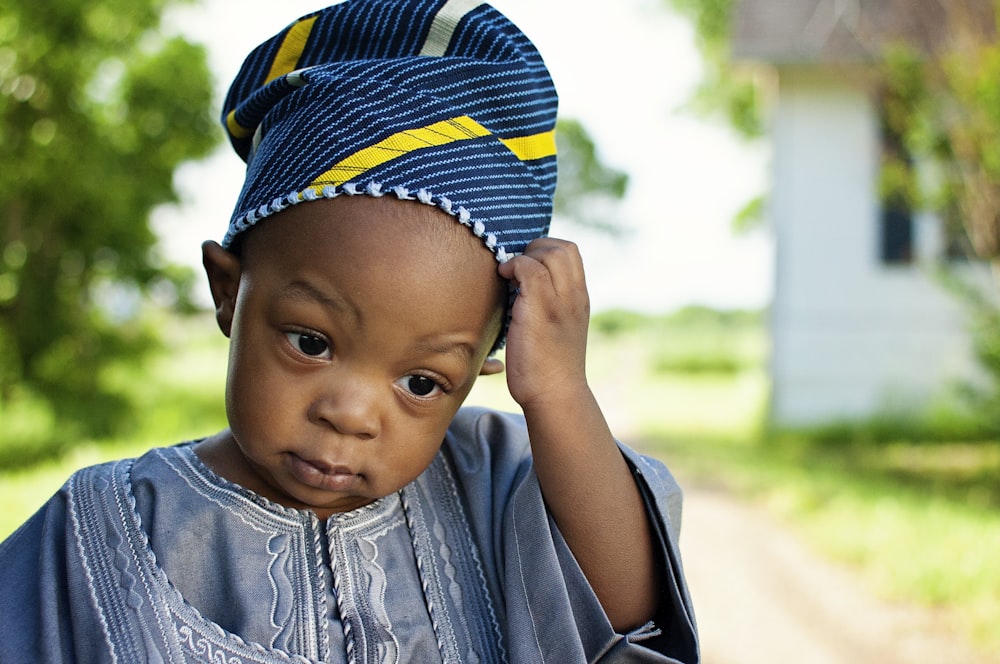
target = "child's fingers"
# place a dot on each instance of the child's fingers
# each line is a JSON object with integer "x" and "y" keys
{"x": 547, "y": 261}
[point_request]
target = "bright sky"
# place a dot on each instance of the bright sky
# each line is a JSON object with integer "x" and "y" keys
{"x": 622, "y": 68}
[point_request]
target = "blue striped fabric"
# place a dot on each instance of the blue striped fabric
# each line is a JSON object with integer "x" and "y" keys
{"x": 330, "y": 86}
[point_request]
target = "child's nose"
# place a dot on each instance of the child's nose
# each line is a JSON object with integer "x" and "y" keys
{"x": 350, "y": 407}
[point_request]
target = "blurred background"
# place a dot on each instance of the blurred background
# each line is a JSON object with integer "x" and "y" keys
{"x": 789, "y": 217}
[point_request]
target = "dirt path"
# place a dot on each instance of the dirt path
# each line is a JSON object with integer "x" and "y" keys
{"x": 761, "y": 596}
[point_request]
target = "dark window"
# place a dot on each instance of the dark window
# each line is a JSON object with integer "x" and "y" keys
{"x": 896, "y": 217}
{"x": 897, "y": 234}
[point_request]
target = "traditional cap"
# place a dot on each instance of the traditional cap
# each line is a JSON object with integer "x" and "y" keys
{"x": 444, "y": 102}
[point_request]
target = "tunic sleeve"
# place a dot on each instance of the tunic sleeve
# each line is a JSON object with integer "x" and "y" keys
{"x": 19, "y": 592}
{"x": 44, "y": 593}
{"x": 551, "y": 614}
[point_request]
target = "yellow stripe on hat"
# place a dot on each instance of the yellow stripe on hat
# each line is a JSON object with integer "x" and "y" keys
{"x": 236, "y": 130}
{"x": 286, "y": 60}
{"x": 440, "y": 133}
{"x": 529, "y": 148}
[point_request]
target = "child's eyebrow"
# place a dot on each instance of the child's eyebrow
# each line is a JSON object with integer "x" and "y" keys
{"x": 462, "y": 349}
{"x": 303, "y": 291}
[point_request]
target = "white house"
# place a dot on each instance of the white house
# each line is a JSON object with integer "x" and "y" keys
{"x": 860, "y": 324}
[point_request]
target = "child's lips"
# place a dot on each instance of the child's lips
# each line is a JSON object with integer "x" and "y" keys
{"x": 321, "y": 475}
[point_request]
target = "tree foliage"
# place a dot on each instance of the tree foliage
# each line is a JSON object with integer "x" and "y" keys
{"x": 97, "y": 109}
{"x": 722, "y": 91}
{"x": 944, "y": 101}
{"x": 588, "y": 187}
{"x": 938, "y": 88}
{"x": 941, "y": 98}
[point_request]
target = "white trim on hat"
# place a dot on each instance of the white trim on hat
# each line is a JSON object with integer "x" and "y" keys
{"x": 444, "y": 24}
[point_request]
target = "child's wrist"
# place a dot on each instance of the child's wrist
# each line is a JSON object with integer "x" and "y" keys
{"x": 565, "y": 398}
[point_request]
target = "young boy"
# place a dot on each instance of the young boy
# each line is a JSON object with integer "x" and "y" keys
{"x": 388, "y": 240}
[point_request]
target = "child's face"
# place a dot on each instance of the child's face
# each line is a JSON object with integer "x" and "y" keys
{"x": 357, "y": 327}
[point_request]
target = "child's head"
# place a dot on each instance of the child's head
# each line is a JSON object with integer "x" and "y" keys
{"x": 396, "y": 149}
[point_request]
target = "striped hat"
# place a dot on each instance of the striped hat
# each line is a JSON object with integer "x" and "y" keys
{"x": 443, "y": 102}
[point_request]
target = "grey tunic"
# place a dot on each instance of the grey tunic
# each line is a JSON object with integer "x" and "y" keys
{"x": 158, "y": 559}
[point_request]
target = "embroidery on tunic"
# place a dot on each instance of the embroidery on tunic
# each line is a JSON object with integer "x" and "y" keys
{"x": 294, "y": 622}
{"x": 134, "y": 627}
{"x": 278, "y": 573}
{"x": 203, "y": 647}
{"x": 92, "y": 575}
{"x": 388, "y": 644}
{"x": 361, "y": 587}
{"x": 179, "y": 626}
{"x": 451, "y": 572}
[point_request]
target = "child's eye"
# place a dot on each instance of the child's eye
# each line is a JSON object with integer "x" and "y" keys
{"x": 419, "y": 386}
{"x": 309, "y": 344}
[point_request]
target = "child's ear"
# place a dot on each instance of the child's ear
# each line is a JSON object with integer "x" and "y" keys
{"x": 491, "y": 366}
{"x": 223, "y": 269}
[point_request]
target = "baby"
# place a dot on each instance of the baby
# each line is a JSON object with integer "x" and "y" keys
{"x": 388, "y": 241}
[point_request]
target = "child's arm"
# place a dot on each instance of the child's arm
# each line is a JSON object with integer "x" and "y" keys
{"x": 585, "y": 481}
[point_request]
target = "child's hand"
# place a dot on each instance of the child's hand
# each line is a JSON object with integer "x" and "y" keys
{"x": 547, "y": 339}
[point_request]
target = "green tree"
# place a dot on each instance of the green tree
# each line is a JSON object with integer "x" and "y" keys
{"x": 722, "y": 91}
{"x": 588, "y": 188}
{"x": 941, "y": 97}
{"x": 97, "y": 109}
{"x": 937, "y": 82}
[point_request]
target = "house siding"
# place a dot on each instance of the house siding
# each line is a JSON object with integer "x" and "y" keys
{"x": 851, "y": 336}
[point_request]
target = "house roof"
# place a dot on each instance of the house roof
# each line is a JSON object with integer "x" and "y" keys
{"x": 815, "y": 31}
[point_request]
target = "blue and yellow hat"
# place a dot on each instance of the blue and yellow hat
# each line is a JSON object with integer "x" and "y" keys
{"x": 443, "y": 102}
